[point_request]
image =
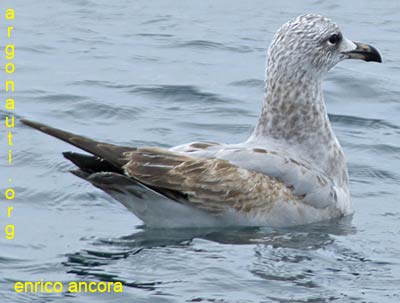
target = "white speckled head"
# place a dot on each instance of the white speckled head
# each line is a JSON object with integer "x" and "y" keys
{"x": 308, "y": 44}
{"x": 302, "y": 51}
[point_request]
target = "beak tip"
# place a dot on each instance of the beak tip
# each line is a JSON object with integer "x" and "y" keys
{"x": 377, "y": 60}
{"x": 374, "y": 56}
{"x": 365, "y": 52}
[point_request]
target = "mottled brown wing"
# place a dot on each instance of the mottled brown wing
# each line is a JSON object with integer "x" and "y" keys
{"x": 213, "y": 184}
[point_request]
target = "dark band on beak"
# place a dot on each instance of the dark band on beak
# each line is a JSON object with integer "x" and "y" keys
{"x": 364, "y": 52}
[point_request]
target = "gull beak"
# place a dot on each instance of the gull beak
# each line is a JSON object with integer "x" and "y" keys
{"x": 364, "y": 52}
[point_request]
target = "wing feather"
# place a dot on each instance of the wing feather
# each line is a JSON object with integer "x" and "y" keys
{"x": 211, "y": 184}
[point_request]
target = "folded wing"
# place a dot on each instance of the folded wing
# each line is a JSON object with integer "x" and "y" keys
{"x": 211, "y": 184}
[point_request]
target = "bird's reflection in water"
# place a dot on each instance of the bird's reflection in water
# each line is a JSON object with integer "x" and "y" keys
{"x": 311, "y": 236}
{"x": 307, "y": 237}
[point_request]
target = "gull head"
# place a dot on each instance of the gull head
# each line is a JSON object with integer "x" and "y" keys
{"x": 311, "y": 45}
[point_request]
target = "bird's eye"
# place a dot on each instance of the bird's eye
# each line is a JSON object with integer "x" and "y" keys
{"x": 334, "y": 39}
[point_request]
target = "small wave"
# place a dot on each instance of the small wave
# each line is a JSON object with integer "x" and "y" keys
{"x": 228, "y": 111}
{"x": 106, "y": 84}
{"x": 102, "y": 40}
{"x": 365, "y": 171}
{"x": 154, "y": 35}
{"x": 60, "y": 98}
{"x": 248, "y": 83}
{"x": 205, "y": 44}
{"x": 146, "y": 58}
{"x": 376, "y": 148}
{"x": 181, "y": 93}
{"x": 80, "y": 3}
{"x": 40, "y": 49}
{"x": 354, "y": 86}
{"x": 363, "y": 122}
{"x": 10, "y": 260}
{"x": 158, "y": 19}
{"x": 228, "y": 128}
{"x": 30, "y": 92}
{"x": 101, "y": 110}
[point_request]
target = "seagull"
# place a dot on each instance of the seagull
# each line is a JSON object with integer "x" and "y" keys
{"x": 291, "y": 171}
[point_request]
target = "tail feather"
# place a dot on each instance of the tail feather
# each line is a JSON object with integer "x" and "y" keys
{"x": 111, "y": 153}
{"x": 80, "y": 173}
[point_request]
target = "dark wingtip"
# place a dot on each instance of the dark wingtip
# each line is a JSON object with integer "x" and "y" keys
{"x": 91, "y": 164}
{"x": 67, "y": 155}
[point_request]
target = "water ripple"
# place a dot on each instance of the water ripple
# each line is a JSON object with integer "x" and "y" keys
{"x": 158, "y": 19}
{"x": 159, "y": 35}
{"x": 363, "y": 122}
{"x": 370, "y": 173}
{"x": 226, "y": 127}
{"x": 181, "y": 93}
{"x": 249, "y": 83}
{"x": 64, "y": 98}
{"x": 205, "y": 44}
{"x": 102, "y": 111}
{"x": 376, "y": 148}
{"x": 98, "y": 83}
